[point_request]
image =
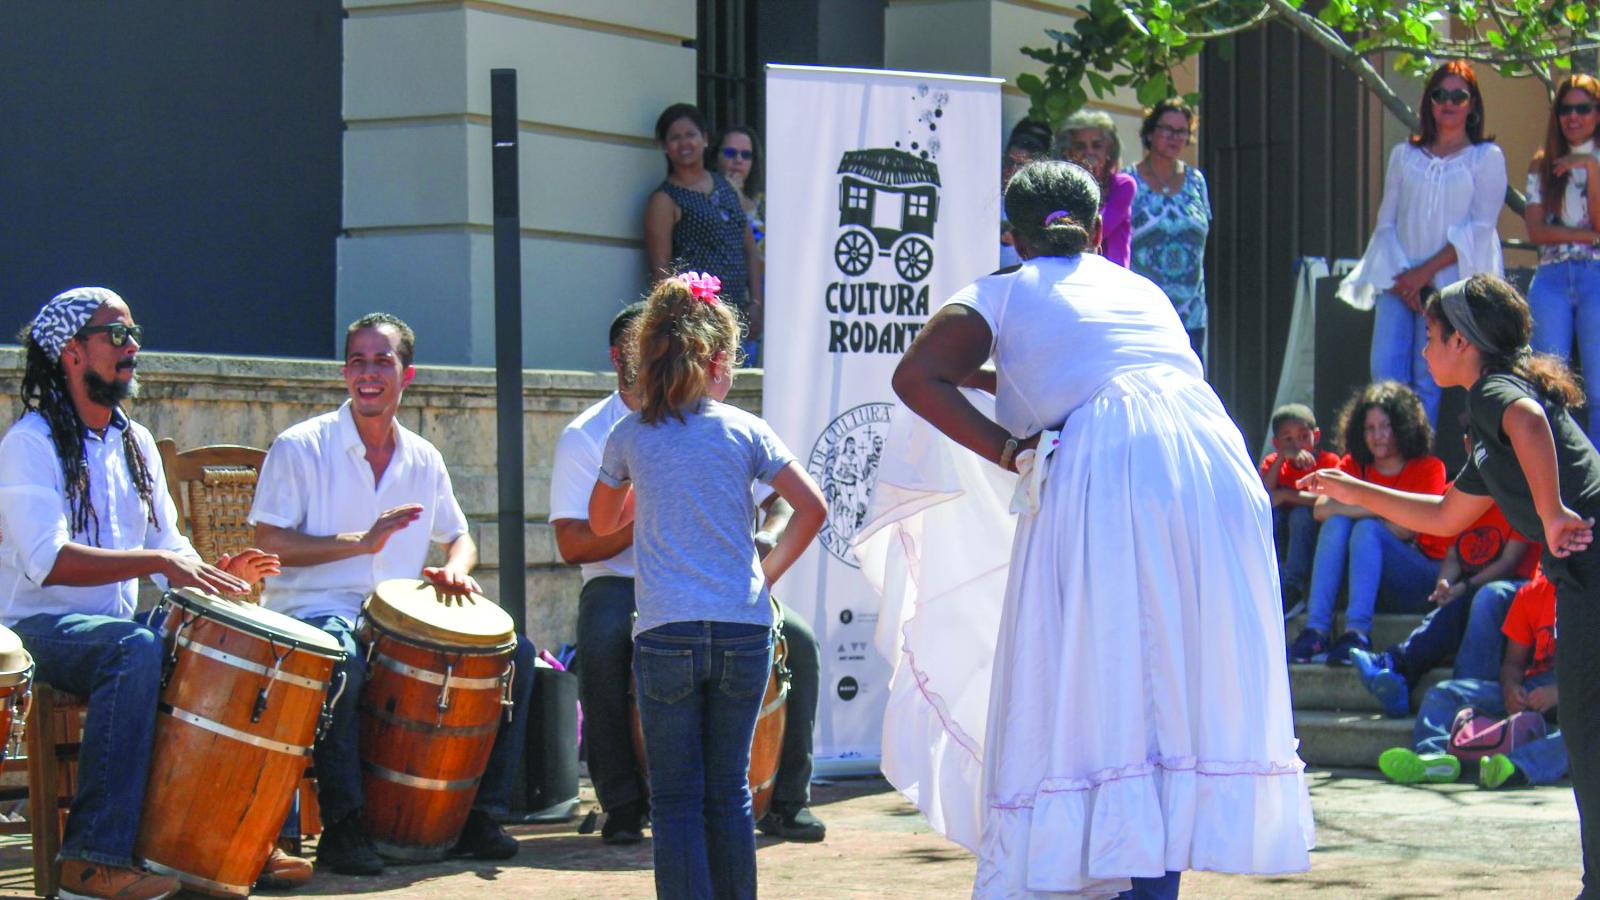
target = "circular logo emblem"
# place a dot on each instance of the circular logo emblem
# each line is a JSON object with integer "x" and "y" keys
{"x": 846, "y": 617}
{"x": 848, "y": 688}
{"x": 844, "y": 461}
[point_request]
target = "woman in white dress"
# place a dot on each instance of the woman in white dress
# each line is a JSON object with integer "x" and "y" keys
{"x": 1139, "y": 720}
{"x": 1442, "y": 193}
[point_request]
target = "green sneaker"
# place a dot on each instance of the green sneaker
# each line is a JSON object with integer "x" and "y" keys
{"x": 1402, "y": 765}
{"x": 1495, "y": 771}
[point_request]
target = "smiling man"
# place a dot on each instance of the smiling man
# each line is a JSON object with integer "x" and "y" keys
{"x": 349, "y": 499}
{"x": 84, "y": 514}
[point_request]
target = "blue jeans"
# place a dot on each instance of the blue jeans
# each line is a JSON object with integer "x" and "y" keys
{"x": 605, "y": 659}
{"x": 1468, "y": 627}
{"x": 1398, "y": 336}
{"x": 1542, "y": 761}
{"x": 1296, "y": 530}
{"x": 1565, "y": 299}
{"x": 117, "y": 663}
{"x": 1164, "y": 887}
{"x": 700, "y": 691}
{"x": 1382, "y": 569}
{"x": 338, "y": 755}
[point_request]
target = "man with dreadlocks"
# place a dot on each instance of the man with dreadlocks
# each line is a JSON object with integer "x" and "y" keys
{"x": 84, "y": 513}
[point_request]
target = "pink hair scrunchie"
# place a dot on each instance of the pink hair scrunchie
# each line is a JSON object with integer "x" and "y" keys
{"x": 703, "y": 285}
{"x": 1056, "y": 216}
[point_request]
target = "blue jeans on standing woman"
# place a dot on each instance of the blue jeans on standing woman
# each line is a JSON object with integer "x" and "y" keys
{"x": 1376, "y": 569}
{"x": 1565, "y": 299}
{"x": 117, "y": 664}
{"x": 1398, "y": 336}
{"x": 700, "y": 691}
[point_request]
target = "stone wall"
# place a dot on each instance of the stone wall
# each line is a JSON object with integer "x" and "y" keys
{"x": 197, "y": 399}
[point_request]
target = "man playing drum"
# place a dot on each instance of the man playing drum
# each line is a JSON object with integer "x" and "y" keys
{"x": 84, "y": 513}
{"x": 348, "y": 499}
{"x": 605, "y": 644}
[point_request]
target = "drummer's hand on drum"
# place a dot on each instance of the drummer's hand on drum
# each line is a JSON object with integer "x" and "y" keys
{"x": 189, "y": 571}
{"x": 251, "y": 564}
{"x": 452, "y": 584}
{"x": 390, "y": 521}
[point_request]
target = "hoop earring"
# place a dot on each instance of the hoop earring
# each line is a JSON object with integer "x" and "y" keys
{"x": 1473, "y": 119}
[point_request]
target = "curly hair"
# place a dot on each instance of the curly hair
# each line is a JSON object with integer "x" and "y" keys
{"x": 1412, "y": 433}
{"x": 674, "y": 341}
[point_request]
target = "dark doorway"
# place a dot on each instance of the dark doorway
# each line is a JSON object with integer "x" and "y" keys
{"x": 1290, "y": 149}
{"x": 186, "y": 155}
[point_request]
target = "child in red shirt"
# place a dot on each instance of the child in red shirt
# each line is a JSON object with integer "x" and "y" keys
{"x": 1388, "y": 439}
{"x": 1295, "y": 437}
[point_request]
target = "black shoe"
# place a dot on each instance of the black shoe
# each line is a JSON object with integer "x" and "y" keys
{"x": 1339, "y": 653}
{"x": 483, "y": 838}
{"x": 624, "y": 825}
{"x": 346, "y": 849}
{"x": 799, "y": 825}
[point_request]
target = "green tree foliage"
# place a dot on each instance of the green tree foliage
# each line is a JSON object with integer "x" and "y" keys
{"x": 1136, "y": 44}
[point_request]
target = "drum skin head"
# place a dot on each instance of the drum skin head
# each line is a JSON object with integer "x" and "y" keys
{"x": 413, "y": 606}
{"x": 14, "y": 661}
{"x": 256, "y": 620}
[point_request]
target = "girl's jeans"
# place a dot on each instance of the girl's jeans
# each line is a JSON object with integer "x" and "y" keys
{"x": 700, "y": 690}
{"x": 1381, "y": 567}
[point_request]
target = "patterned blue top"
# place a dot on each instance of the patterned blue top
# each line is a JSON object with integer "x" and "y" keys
{"x": 1169, "y": 242}
{"x": 709, "y": 235}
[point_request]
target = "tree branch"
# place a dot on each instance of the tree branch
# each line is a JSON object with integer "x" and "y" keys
{"x": 1331, "y": 41}
{"x": 1261, "y": 17}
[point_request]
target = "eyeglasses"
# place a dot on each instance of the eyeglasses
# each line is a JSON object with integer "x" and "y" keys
{"x": 1571, "y": 109}
{"x": 119, "y": 332}
{"x": 731, "y": 153}
{"x": 1169, "y": 131}
{"x": 1457, "y": 97}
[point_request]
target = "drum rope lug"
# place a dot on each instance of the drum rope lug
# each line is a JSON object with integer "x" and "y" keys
{"x": 507, "y": 703}
{"x": 260, "y": 708}
{"x": 14, "y": 741}
{"x": 444, "y": 693}
{"x": 171, "y": 663}
{"x": 325, "y": 718}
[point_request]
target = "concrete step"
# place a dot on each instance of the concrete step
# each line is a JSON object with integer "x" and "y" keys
{"x": 1319, "y": 686}
{"x": 1347, "y": 740}
{"x": 1388, "y": 629}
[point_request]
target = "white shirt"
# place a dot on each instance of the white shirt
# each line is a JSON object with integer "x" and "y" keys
{"x": 1428, "y": 202}
{"x": 316, "y": 480}
{"x": 573, "y": 475}
{"x": 1062, "y": 327}
{"x": 34, "y": 523}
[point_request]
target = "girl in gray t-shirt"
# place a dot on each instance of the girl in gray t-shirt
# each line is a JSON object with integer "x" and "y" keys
{"x": 680, "y": 470}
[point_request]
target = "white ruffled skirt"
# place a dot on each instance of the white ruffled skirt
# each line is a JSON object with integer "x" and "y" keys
{"x": 1137, "y": 717}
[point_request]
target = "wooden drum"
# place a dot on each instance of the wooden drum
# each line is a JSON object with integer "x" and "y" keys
{"x": 16, "y": 691}
{"x": 765, "y": 747}
{"x": 439, "y": 679}
{"x": 241, "y": 700}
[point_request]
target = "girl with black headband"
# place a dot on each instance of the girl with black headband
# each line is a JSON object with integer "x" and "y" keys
{"x": 1530, "y": 457}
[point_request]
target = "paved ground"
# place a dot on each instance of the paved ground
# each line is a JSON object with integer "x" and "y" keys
{"x": 1376, "y": 840}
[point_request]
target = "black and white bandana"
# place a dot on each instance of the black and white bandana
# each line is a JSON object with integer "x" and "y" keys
{"x": 65, "y": 315}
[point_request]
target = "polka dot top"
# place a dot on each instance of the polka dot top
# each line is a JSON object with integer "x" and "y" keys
{"x": 709, "y": 236}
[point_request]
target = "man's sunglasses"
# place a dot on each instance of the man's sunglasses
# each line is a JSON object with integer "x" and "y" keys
{"x": 1567, "y": 109}
{"x": 1457, "y": 97}
{"x": 119, "y": 332}
{"x": 732, "y": 153}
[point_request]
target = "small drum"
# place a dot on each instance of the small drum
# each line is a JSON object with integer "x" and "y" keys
{"x": 241, "y": 700}
{"x": 16, "y": 691}
{"x": 438, "y": 681}
{"x": 766, "y": 747}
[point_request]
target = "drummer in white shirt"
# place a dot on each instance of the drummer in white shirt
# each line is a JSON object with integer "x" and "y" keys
{"x": 348, "y": 499}
{"x": 85, "y": 513}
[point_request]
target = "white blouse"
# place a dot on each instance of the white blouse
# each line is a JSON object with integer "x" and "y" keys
{"x": 1430, "y": 201}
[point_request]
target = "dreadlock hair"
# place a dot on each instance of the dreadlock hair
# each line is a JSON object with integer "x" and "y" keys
{"x": 674, "y": 340}
{"x": 1505, "y": 320}
{"x": 44, "y": 391}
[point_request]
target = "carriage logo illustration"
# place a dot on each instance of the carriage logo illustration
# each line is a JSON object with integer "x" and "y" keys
{"x": 888, "y": 202}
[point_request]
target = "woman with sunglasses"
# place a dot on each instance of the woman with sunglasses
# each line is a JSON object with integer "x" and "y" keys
{"x": 1563, "y": 218}
{"x": 694, "y": 221}
{"x": 1442, "y": 194}
{"x": 1171, "y": 216}
{"x": 739, "y": 161}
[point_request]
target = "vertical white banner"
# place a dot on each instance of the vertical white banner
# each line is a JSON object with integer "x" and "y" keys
{"x": 883, "y": 200}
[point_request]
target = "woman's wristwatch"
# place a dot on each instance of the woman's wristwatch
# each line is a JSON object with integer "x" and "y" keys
{"x": 1008, "y": 453}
